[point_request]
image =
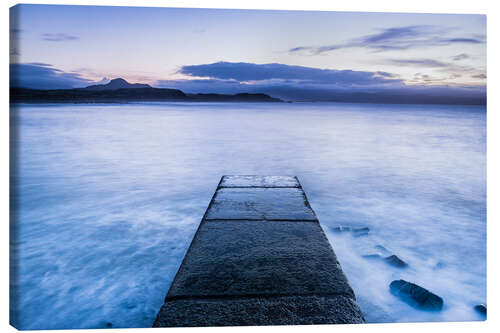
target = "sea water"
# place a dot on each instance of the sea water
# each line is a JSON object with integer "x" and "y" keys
{"x": 107, "y": 198}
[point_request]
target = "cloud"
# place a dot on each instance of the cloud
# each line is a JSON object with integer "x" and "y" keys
{"x": 299, "y": 48}
{"x": 250, "y": 72}
{"x": 385, "y": 74}
{"x": 461, "y": 56}
{"x": 462, "y": 40}
{"x": 298, "y": 83}
{"x": 418, "y": 62}
{"x": 448, "y": 71}
{"x": 396, "y": 38}
{"x": 40, "y": 64}
{"x": 104, "y": 80}
{"x": 479, "y": 76}
{"x": 58, "y": 37}
{"x": 44, "y": 76}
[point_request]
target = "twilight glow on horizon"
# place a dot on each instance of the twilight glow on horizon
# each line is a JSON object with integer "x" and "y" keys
{"x": 218, "y": 50}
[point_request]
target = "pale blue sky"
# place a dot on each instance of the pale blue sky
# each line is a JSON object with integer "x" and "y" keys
{"x": 152, "y": 44}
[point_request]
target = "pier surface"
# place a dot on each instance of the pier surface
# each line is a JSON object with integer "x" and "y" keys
{"x": 259, "y": 257}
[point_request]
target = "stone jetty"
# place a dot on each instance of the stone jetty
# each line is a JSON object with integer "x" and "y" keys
{"x": 259, "y": 257}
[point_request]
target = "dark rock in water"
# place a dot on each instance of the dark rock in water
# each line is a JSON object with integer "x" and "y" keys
{"x": 394, "y": 260}
{"x": 440, "y": 265}
{"x": 481, "y": 308}
{"x": 360, "y": 232}
{"x": 416, "y": 296}
{"x": 355, "y": 232}
{"x": 382, "y": 249}
{"x": 372, "y": 256}
{"x": 109, "y": 325}
{"x": 341, "y": 229}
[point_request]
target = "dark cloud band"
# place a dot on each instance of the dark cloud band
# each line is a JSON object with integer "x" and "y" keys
{"x": 58, "y": 37}
{"x": 299, "y": 83}
{"x": 396, "y": 38}
{"x": 44, "y": 76}
{"x": 245, "y": 72}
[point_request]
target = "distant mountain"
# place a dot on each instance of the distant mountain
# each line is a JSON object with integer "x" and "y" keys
{"x": 116, "y": 84}
{"x": 241, "y": 97}
{"x": 120, "y": 91}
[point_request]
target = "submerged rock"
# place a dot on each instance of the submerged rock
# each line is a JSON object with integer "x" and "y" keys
{"x": 382, "y": 249}
{"x": 481, "y": 308}
{"x": 392, "y": 260}
{"x": 416, "y": 296}
{"x": 395, "y": 261}
{"x": 360, "y": 232}
{"x": 372, "y": 256}
{"x": 355, "y": 232}
{"x": 341, "y": 228}
{"x": 439, "y": 265}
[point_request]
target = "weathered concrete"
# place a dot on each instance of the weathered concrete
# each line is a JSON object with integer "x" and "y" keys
{"x": 259, "y": 257}
{"x": 281, "y": 310}
{"x": 260, "y": 204}
{"x": 262, "y": 181}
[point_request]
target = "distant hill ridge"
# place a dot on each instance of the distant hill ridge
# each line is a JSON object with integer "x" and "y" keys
{"x": 116, "y": 84}
{"x": 119, "y": 90}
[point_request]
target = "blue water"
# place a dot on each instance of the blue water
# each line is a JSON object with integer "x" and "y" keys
{"x": 108, "y": 198}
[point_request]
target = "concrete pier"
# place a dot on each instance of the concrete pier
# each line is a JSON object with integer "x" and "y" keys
{"x": 259, "y": 257}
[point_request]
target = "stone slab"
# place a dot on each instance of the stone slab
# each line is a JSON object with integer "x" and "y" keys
{"x": 240, "y": 258}
{"x": 284, "y": 310}
{"x": 260, "y": 204}
{"x": 259, "y": 181}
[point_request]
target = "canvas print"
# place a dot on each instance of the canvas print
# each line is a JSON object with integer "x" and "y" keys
{"x": 215, "y": 167}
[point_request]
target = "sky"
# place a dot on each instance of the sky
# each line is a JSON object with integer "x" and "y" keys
{"x": 286, "y": 53}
